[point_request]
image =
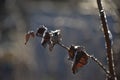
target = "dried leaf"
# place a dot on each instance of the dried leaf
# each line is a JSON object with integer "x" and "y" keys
{"x": 28, "y": 35}
{"x": 55, "y": 36}
{"x": 71, "y": 52}
{"x": 41, "y": 31}
{"x": 80, "y": 60}
{"x": 45, "y": 39}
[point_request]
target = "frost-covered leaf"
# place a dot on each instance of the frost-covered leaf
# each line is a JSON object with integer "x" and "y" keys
{"x": 55, "y": 38}
{"x": 41, "y": 31}
{"x": 45, "y": 39}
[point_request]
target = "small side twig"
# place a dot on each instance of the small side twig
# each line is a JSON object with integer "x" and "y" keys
{"x": 62, "y": 45}
{"x": 100, "y": 64}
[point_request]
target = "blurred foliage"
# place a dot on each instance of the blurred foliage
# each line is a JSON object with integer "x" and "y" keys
{"x": 79, "y": 23}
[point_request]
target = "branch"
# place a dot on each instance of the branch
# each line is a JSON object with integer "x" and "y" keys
{"x": 93, "y": 58}
{"x": 107, "y": 40}
{"x": 100, "y": 64}
{"x": 62, "y": 45}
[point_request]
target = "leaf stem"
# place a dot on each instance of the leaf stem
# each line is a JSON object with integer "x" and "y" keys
{"x": 62, "y": 45}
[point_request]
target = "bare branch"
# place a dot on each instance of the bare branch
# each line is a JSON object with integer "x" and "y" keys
{"x": 107, "y": 40}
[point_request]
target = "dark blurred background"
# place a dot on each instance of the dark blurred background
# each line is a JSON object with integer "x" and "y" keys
{"x": 80, "y": 25}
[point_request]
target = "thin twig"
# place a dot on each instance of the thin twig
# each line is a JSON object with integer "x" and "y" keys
{"x": 100, "y": 64}
{"x": 107, "y": 40}
{"x": 62, "y": 45}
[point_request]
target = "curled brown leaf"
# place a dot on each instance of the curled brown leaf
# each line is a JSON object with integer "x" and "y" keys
{"x": 41, "y": 31}
{"x": 56, "y": 36}
{"x": 81, "y": 59}
{"x": 28, "y": 35}
{"x": 71, "y": 52}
